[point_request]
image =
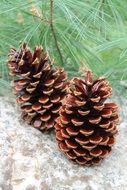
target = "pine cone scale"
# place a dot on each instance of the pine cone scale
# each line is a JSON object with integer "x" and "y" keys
{"x": 40, "y": 88}
{"x": 86, "y": 126}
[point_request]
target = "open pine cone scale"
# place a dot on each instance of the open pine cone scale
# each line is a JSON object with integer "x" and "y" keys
{"x": 40, "y": 87}
{"x": 86, "y": 126}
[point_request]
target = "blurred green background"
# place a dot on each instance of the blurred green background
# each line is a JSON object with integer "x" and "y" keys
{"x": 85, "y": 34}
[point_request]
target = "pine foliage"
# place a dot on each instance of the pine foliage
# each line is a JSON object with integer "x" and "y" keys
{"x": 77, "y": 34}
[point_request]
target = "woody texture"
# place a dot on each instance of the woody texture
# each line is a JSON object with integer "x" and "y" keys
{"x": 86, "y": 127}
{"x": 39, "y": 88}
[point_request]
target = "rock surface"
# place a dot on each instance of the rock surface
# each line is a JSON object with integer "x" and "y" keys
{"x": 30, "y": 160}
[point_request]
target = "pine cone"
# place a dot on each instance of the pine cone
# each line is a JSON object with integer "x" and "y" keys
{"x": 40, "y": 87}
{"x": 86, "y": 127}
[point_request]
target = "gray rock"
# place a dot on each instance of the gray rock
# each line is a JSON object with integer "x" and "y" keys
{"x": 30, "y": 160}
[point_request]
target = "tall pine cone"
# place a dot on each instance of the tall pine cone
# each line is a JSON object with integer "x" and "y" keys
{"x": 40, "y": 87}
{"x": 86, "y": 127}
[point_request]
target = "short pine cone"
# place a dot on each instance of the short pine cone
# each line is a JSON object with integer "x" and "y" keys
{"x": 40, "y": 87}
{"x": 86, "y": 127}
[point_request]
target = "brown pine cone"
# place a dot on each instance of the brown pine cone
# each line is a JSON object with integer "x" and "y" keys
{"x": 40, "y": 87}
{"x": 86, "y": 127}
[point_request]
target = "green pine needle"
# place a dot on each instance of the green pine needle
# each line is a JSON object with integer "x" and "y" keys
{"x": 89, "y": 34}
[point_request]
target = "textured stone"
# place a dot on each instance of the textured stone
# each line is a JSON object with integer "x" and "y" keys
{"x": 30, "y": 160}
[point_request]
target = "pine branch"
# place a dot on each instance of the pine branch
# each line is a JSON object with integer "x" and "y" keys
{"x": 101, "y": 13}
{"x": 53, "y": 32}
